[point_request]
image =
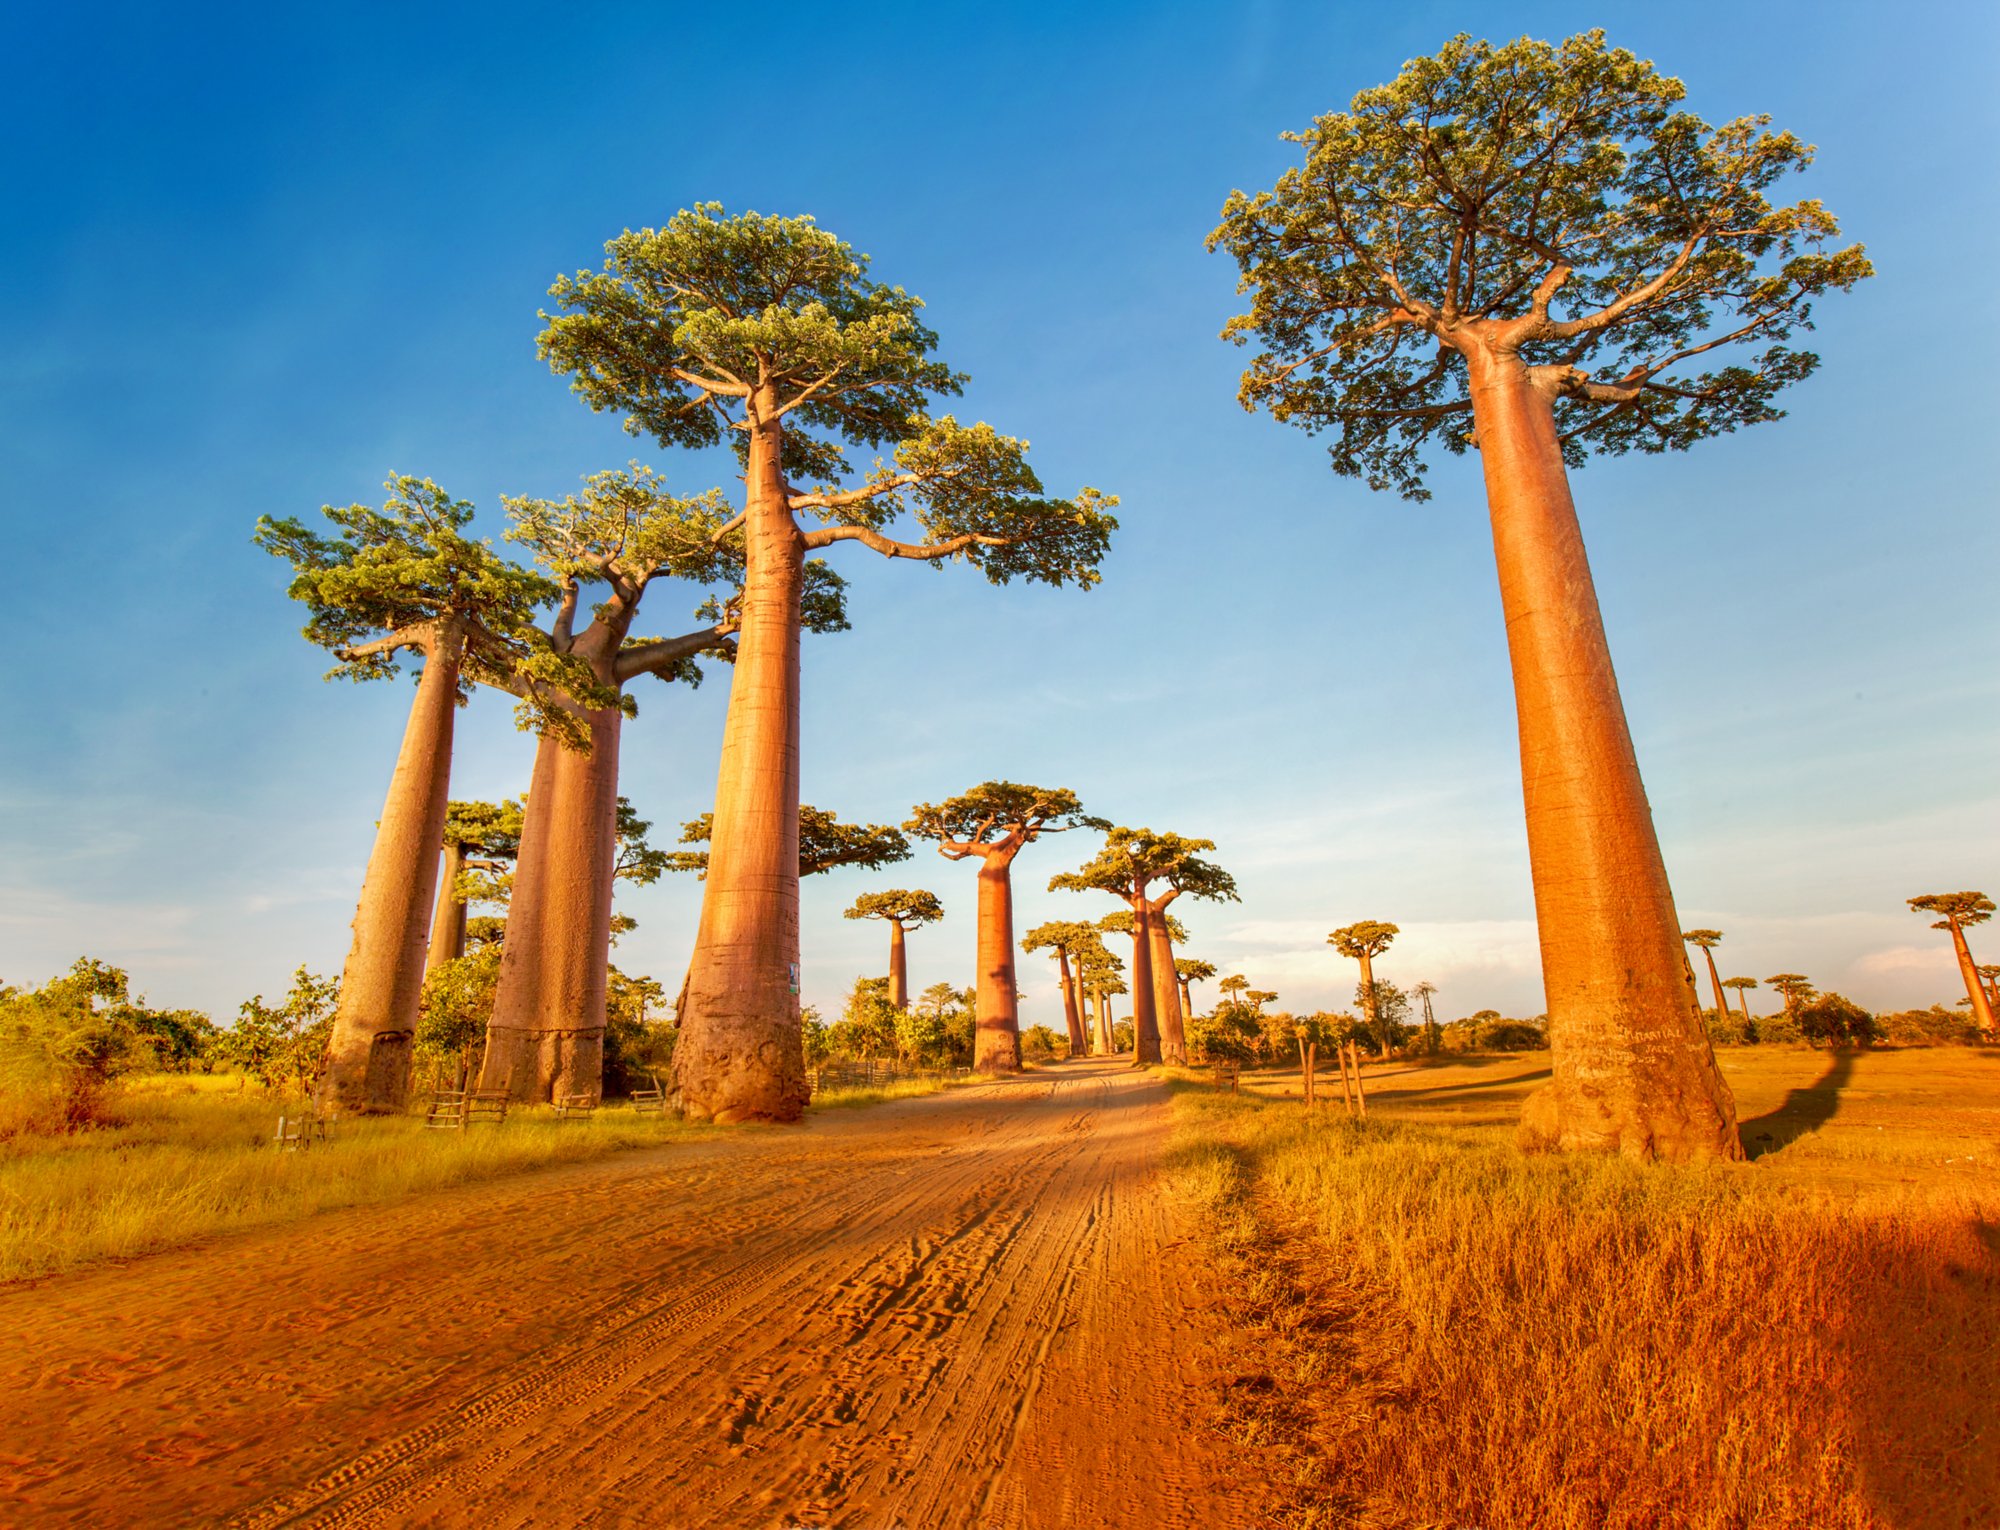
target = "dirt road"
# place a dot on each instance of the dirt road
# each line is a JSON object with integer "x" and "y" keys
{"x": 972, "y": 1309}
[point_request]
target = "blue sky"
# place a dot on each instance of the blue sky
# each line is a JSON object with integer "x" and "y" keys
{"x": 259, "y": 257}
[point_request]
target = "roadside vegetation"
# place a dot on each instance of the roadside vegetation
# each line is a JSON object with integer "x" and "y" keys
{"x": 1440, "y": 1328}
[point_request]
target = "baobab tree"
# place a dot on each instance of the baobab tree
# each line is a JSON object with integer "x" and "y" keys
{"x": 1064, "y": 937}
{"x": 900, "y": 908}
{"x": 623, "y": 534}
{"x": 1131, "y": 861}
{"x": 1234, "y": 987}
{"x": 1957, "y": 911}
{"x": 1527, "y": 249}
{"x": 404, "y": 579}
{"x": 995, "y": 822}
{"x": 1364, "y": 941}
{"x": 1706, "y": 941}
{"x": 1191, "y": 970}
{"x": 1100, "y": 974}
{"x": 1990, "y": 976}
{"x": 478, "y": 837}
{"x": 1422, "y": 993}
{"x": 1794, "y": 988}
{"x": 1742, "y": 985}
{"x": 767, "y": 333}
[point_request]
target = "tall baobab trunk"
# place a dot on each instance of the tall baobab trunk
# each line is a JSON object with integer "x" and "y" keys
{"x": 1187, "y": 1005}
{"x": 368, "y": 1056}
{"x": 996, "y": 1044}
{"x": 1633, "y": 1066}
{"x": 1166, "y": 985}
{"x": 1715, "y": 983}
{"x": 741, "y": 1055}
{"x": 448, "y": 919}
{"x": 1145, "y": 1019}
{"x": 546, "y": 1037}
{"x": 1078, "y": 1044}
{"x": 1370, "y": 1010}
{"x": 1105, "y": 1042}
{"x": 1075, "y": 998}
{"x": 1982, "y": 1008}
{"x": 899, "y": 971}
{"x": 1743, "y": 998}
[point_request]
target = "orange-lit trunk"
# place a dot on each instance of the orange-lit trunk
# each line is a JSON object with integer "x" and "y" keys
{"x": 1743, "y": 998}
{"x": 368, "y": 1055}
{"x": 546, "y": 1037}
{"x": 996, "y": 1045}
{"x": 1715, "y": 984}
{"x": 1187, "y": 1006}
{"x": 1632, "y": 1063}
{"x": 448, "y": 919}
{"x": 1145, "y": 1019}
{"x": 1078, "y": 1043}
{"x": 1166, "y": 987}
{"x": 1105, "y": 1043}
{"x": 1075, "y": 997}
{"x": 899, "y": 971}
{"x": 741, "y": 1056}
{"x": 1370, "y": 1010}
{"x": 1982, "y": 1008}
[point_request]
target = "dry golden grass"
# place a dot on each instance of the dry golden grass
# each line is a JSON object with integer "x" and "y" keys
{"x": 1448, "y": 1332}
{"x": 193, "y": 1156}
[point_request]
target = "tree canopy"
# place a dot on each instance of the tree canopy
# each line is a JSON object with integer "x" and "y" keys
{"x": 1955, "y": 908}
{"x": 1067, "y": 935}
{"x": 1119, "y": 922}
{"x": 484, "y": 828}
{"x": 1192, "y": 969}
{"x": 714, "y": 325}
{"x": 997, "y": 813}
{"x": 390, "y": 576}
{"x": 1551, "y": 202}
{"x": 1132, "y": 859}
{"x": 1706, "y": 940}
{"x": 824, "y": 843}
{"x": 1365, "y": 939}
{"x": 901, "y": 905}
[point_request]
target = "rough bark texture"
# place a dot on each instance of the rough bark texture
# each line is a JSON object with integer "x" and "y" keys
{"x": 1633, "y": 1067}
{"x": 1145, "y": 1019}
{"x": 546, "y": 1037}
{"x": 368, "y": 1056}
{"x": 1166, "y": 983}
{"x": 741, "y": 1056}
{"x": 899, "y": 971}
{"x": 1079, "y": 1044}
{"x": 448, "y": 919}
{"x": 1982, "y": 1009}
{"x": 997, "y": 1042}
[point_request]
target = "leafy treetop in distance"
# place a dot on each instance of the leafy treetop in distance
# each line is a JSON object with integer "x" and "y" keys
{"x": 998, "y": 814}
{"x": 1367, "y": 938}
{"x": 824, "y": 843}
{"x": 900, "y": 905}
{"x": 1955, "y": 908}
{"x": 1549, "y": 203}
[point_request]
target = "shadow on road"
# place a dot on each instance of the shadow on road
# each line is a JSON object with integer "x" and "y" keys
{"x": 1802, "y": 1110}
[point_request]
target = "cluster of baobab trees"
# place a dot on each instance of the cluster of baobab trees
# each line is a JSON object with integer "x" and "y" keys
{"x": 1533, "y": 251}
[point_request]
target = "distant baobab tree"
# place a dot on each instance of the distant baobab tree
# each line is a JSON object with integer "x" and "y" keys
{"x": 1422, "y": 992}
{"x": 1164, "y": 932}
{"x": 1990, "y": 976}
{"x": 1066, "y": 937}
{"x": 994, "y": 822}
{"x": 478, "y": 836}
{"x": 901, "y": 908}
{"x": 1742, "y": 985}
{"x": 1526, "y": 250}
{"x": 1233, "y": 988}
{"x": 1957, "y": 910}
{"x": 1706, "y": 941}
{"x": 1191, "y": 970}
{"x": 1363, "y": 942}
{"x": 402, "y": 579}
{"x": 1131, "y": 861}
{"x": 1793, "y": 987}
{"x": 825, "y": 844}
{"x": 766, "y": 334}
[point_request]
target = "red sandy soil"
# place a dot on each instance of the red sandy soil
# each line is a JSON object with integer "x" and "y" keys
{"x": 969, "y": 1309}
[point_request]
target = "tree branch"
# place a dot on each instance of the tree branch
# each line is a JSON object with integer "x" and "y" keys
{"x": 889, "y": 547}
{"x": 652, "y": 658}
{"x": 419, "y": 637}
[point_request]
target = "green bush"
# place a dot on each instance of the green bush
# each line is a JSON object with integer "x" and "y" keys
{"x": 1933, "y": 1027}
{"x": 1831, "y": 1019}
{"x": 63, "y": 1043}
{"x": 1040, "y": 1044}
{"x": 284, "y": 1046}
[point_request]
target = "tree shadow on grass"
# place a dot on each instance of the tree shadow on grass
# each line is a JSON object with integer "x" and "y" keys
{"x": 1801, "y": 1111}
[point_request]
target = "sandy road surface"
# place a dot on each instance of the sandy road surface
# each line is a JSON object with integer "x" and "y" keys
{"x": 972, "y": 1309}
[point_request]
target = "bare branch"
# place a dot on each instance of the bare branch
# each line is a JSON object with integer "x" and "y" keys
{"x": 889, "y": 547}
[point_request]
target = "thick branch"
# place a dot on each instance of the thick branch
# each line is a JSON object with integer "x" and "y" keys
{"x": 889, "y": 547}
{"x": 652, "y": 658}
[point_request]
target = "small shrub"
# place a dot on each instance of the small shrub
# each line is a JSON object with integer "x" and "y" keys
{"x": 62, "y": 1044}
{"x": 1040, "y": 1044}
{"x": 1933, "y": 1027}
{"x": 1831, "y": 1019}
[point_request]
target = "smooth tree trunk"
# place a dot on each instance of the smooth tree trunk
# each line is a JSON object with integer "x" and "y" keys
{"x": 1743, "y": 997}
{"x": 996, "y": 1044}
{"x": 1077, "y": 999}
{"x": 546, "y": 1037}
{"x": 1187, "y": 1007}
{"x": 1166, "y": 984}
{"x": 1715, "y": 984}
{"x": 448, "y": 919}
{"x": 741, "y": 1056}
{"x": 375, "y": 1022}
{"x": 1105, "y": 1043}
{"x": 1370, "y": 1010}
{"x": 1145, "y": 1019}
{"x": 1079, "y": 1044}
{"x": 1633, "y": 1068}
{"x": 899, "y": 971}
{"x": 1982, "y": 1008}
